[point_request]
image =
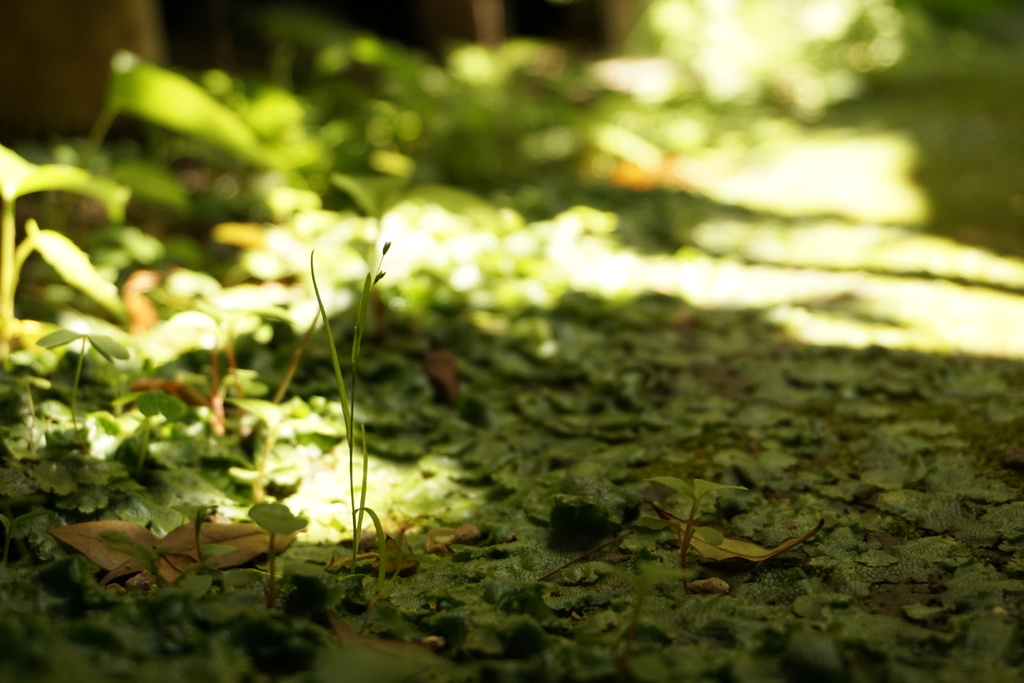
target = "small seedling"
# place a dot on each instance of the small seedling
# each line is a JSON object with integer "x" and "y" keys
{"x": 27, "y": 382}
{"x": 153, "y": 404}
{"x": 348, "y": 406}
{"x": 271, "y": 415}
{"x": 105, "y": 346}
{"x": 11, "y": 524}
{"x": 684, "y": 532}
{"x": 197, "y": 515}
{"x": 275, "y": 519}
{"x": 708, "y": 542}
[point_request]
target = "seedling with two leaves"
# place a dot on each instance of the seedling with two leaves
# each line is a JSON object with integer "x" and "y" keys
{"x": 276, "y": 519}
{"x": 708, "y": 542}
{"x": 104, "y": 345}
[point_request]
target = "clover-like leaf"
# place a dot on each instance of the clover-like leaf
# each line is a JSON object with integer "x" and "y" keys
{"x": 276, "y": 518}
{"x": 108, "y": 348}
{"x": 58, "y": 338}
{"x": 152, "y": 403}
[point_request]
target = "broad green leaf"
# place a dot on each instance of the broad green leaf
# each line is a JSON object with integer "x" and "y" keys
{"x": 13, "y": 170}
{"x": 702, "y": 487}
{"x": 674, "y": 483}
{"x": 108, "y": 348}
{"x": 6, "y": 521}
{"x": 167, "y": 99}
{"x": 151, "y": 182}
{"x": 58, "y": 338}
{"x": 269, "y": 413}
{"x": 113, "y": 196}
{"x": 19, "y": 177}
{"x": 739, "y": 549}
{"x": 74, "y": 267}
{"x": 152, "y": 403}
{"x": 276, "y": 518}
{"x": 375, "y": 195}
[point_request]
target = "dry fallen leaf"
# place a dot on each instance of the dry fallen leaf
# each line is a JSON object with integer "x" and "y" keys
{"x": 440, "y": 366}
{"x": 712, "y": 546}
{"x": 738, "y": 549}
{"x": 175, "y": 550}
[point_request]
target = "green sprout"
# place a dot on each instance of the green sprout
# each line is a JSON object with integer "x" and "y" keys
{"x": 684, "y": 531}
{"x": 153, "y": 404}
{"x": 348, "y": 406}
{"x": 11, "y": 524}
{"x": 197, "y": 515}
{"x": 105, "y": 346}
{"x": 275, "y": 519}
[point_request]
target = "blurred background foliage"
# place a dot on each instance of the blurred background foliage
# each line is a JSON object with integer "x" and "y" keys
{"x": 786, "y": 155}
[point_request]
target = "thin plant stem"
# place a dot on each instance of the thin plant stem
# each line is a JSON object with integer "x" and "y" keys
{"x": 143, "y": 448}
{"x": 685, "y": 536}
{"x": 8, "y": 278}
{"x": 261, "y": 471}
{"x": 96, "y": 134}
{"x": 366, "y": 472}
{"x": 74, "y": 395}
{"x": 586, "y": 555}
{"x": 293, "y": 365}
{"x": 271, "y": 584}
{"x": 31, "y": 418}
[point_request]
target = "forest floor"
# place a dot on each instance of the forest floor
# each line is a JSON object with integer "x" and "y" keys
{"x": 839, "y": 366}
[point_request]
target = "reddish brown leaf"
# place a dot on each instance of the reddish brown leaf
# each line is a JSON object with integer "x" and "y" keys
{"x": 440, "y": 367}
{"x": 142, "y": 314}
{"x": 169, "y": 386}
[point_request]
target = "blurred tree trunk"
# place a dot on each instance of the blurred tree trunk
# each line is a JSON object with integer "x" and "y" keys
{"x": 618, "y": 18}
{"x": 442, "y": 21}
{"x": 55, "y": 59}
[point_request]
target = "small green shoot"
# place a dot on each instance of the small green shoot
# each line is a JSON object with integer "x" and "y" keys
{"x": 708, "y": 542}
{"x": 275, "y": 519}
{"x": 347, "y": 405}
{"x": 105, "y": 346}
{"x": 684, "y": 532}
{"x": 153, "y": 404}
{"x": 11, "y": 524}
{"x": 197, "y": 515}
{"x": 271, "y": 415}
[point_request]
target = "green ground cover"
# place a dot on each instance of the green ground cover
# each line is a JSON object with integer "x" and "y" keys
{"x": 843, "y": 345}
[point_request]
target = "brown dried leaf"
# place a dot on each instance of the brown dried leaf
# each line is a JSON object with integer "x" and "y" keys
{"x": 440, "y": 367}
{"x": 176, "y": 549}
{"x": 90, "y": 539}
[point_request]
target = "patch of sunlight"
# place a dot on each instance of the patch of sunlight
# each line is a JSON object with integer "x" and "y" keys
{"x": 815, "y": 306}
{"x": 424, "y": 489}
{"x": 930, "y": 316}
{"x": 864, "y": 177}
{"x": 832, "y": 244}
